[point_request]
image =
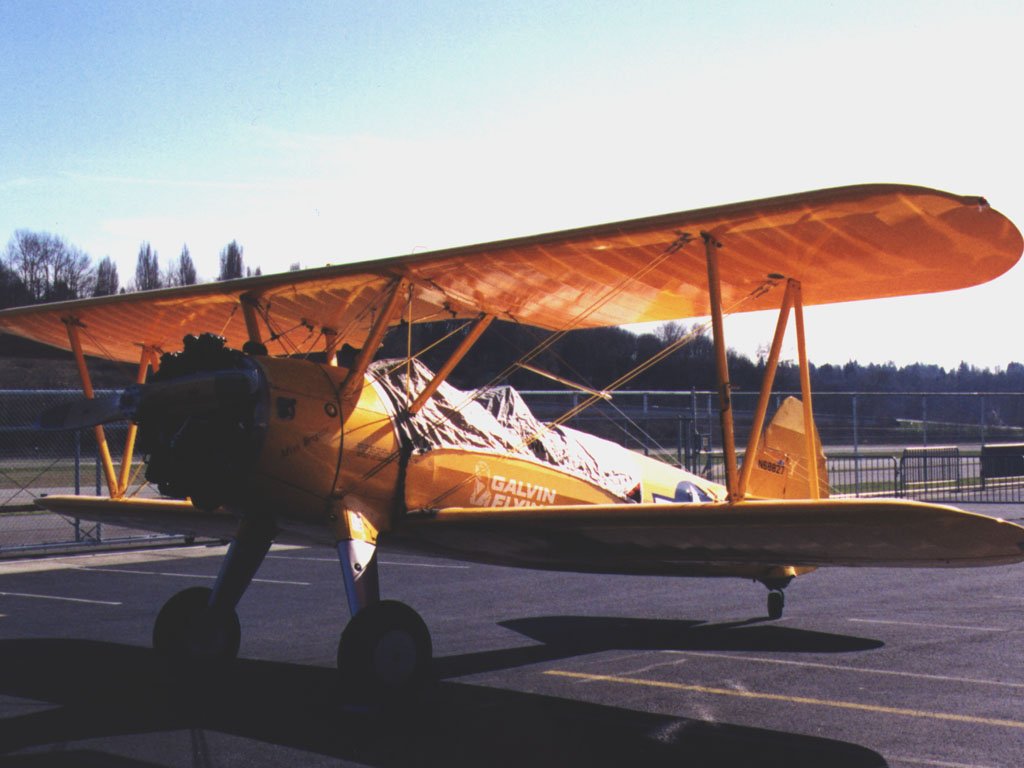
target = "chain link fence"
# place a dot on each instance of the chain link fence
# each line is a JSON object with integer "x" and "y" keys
{"x": 35, "y": 463}
{"x": 956, "y": 447}
{"x": 960, "y": 447}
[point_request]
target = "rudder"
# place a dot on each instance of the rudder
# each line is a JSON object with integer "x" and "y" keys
{"x": 781, "y": 470}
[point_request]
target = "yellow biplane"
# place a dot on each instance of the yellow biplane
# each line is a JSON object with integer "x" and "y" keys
{"x": 248, "y": 440}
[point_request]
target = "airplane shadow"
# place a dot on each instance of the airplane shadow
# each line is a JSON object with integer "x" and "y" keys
{"x": 564, "y": 637}
{"x": 104, "y": 690}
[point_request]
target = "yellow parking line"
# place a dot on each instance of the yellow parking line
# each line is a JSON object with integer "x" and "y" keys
{"x": 873, "y": 708}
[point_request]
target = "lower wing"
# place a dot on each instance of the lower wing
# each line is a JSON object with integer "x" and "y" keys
{"x": 156, "y": 515}
{"x": 847, "y": 532}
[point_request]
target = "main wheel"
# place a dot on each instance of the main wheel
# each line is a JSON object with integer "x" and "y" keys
{"x": 187, "y": 629}
{"x": 384, "y": 651}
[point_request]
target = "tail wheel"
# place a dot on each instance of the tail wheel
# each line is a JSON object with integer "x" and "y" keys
{"x": 776, "y": 602}
{"x": 385, "y": 650}
{"x": 187, "y": 629}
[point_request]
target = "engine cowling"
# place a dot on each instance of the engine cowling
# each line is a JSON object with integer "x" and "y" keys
{"x": 222, "y": 427}
{"x": 202, "y": 421}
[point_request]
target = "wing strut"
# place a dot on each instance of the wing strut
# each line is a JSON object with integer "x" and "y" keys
{"x": 456, "y": 356}
{"x": 805, "y": 390}
{"x": 392, "y": 306}
{"x": 791, "y": 300}
{"x": 249, "y": 304}
{"x": 331, "y": 343}
{"x": 711, "y": 246}
{"x": 771, "y": 366}
{"x": 73, "y": 324}
{"x": 148, "y": 357}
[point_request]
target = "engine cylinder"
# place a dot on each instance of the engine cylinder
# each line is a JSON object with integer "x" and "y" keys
{"x": 202, "y": 421}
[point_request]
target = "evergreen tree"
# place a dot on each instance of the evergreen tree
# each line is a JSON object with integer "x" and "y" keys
{"x": 231, "y": 265}
{"x": 106, "y": 278}
{"x": 147, "y": 269}
{"x": 181, "y": 271}
{"x": 13, "y": 292}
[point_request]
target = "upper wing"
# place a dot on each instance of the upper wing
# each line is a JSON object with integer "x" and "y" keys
{"x": 844, "y": 244}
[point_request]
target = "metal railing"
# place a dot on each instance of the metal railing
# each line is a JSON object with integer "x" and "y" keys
{"x": 910, "y": 445}
{"x": 34, "y": 463}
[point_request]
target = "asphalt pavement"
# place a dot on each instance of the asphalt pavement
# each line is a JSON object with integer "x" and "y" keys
{"x": 868, "y": 667}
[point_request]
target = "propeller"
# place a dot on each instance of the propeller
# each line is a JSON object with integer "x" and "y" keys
{"x": 195, "y": 393}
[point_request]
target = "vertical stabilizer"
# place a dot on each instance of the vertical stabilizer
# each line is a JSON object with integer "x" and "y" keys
{"x": 781, "y": 468}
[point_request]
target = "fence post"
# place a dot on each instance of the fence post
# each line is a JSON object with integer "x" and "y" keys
{"x": 856, "y": 451}
{"x": 692, "y": 450}
{"x": 679, "y": 441}
{"x": 647, "y": 429}
{"x": 78, "y": 462}
{"x": 982, "y": 419}
{"x": 924, "y": 425}
{"x": 711, "y": 425}
{"x": 98, "y": 530}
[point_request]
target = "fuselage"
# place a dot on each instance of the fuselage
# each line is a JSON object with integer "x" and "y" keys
{"x": 321, "y": 465}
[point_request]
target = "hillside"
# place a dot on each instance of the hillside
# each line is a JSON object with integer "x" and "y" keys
{"x": 27, "y": 365}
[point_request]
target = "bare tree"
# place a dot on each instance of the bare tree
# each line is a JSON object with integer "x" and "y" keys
{"x": 28, "y": 254}
{"x": 670, "y": 332}
{"x": 147, "y": 269}
{"x": 72, "y": 274}
{"x": 49, "y": 268}
{"x": 231, "y": 265}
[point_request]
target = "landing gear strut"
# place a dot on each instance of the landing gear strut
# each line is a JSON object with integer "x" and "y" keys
{"x": 200, "y": 624}
{"x": 776, "y": 597}
{"x": 385, "y": 650}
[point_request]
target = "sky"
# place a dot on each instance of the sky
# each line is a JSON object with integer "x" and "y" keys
{"x": 331, "y": 132}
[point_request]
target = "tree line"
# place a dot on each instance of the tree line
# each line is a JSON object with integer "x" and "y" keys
{"x": 38, "y": 267}
{"x": 597, "y": 357}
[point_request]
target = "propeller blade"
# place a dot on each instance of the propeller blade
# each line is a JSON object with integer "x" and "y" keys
{"x": 195, "y": 393}
{"x": 83, "y": 413}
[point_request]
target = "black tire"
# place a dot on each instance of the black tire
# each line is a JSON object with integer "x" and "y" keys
{"x": 776, "y": 603}
{"x": 384, "y": 651}
{"x": 188, "y": 630}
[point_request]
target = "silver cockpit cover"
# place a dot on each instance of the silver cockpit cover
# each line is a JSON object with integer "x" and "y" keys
{"x": 496, "y": 420}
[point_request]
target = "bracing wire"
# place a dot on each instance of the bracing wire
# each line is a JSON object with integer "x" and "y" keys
{"x": 694, "y": 333}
